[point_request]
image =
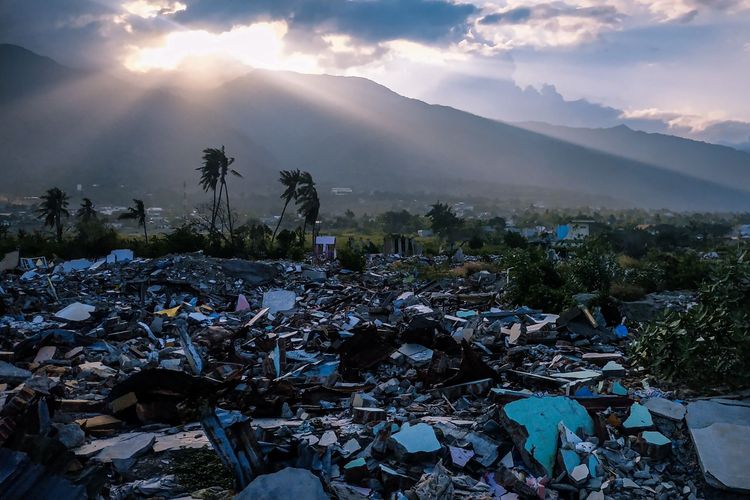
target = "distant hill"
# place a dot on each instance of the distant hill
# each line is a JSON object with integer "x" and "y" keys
{"x": 720, "y": 164}
{"x": 90, "y": 128}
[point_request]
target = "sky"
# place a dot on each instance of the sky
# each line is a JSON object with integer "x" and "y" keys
{"x": 675, "y": 66}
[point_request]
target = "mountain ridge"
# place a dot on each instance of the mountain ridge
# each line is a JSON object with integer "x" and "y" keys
{"x": 345, "y": 130}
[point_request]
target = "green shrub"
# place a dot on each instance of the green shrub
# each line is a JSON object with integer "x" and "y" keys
{"x": 351, "y": 259}
{"x": 709, "y": 344}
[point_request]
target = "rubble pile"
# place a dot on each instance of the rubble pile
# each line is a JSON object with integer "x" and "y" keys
{"x": 193, "y": 377}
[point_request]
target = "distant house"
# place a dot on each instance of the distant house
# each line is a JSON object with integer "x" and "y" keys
{"x": 575, "y": 230}
{"x": 325, "y": 247}
{"x": 425, "y": 233}
{"x": 743, "y": 231}
{"x": 341, "y": 191}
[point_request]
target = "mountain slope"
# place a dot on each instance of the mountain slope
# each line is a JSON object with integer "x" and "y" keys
{"x": 59, "y": 126}
{"x": 355, "y": 131}
{"x": 62, "y": 127}
{"x": 720, "y": 164}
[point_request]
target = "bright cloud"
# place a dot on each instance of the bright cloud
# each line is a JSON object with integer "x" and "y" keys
{"x": 149, "y": 9}
{"x": 258, "y": 45}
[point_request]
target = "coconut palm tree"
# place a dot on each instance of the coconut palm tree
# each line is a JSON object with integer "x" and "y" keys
{"x": 308, "y": 202}
{"x": 214, "y": 171}
{"x": 210, "y": 172}
{"x": 53, "y": 208}
{"x": 138, "y": 213}
{"x": 87, "y": 212}
{"x": 290, "y": 180}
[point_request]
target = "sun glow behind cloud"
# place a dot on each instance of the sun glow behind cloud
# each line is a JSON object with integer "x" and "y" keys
{"x": 258, "y": 45}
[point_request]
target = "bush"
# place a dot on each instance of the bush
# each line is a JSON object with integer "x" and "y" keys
{"x": 710, "y": 343}
{"x": 351, "y": 259}
{"x": 534, "y": 281}
{"x": 627, "y": 291}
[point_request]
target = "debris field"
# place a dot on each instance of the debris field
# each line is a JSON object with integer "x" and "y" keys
{"x": 192, "y": 377}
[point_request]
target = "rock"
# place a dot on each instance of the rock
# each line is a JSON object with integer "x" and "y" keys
{"x": 279, "y": 300}
{"x": 533, "y": 426}
{"x": 613, "y": 369}
{"x": 75, "y": 312}
{"x": 580, "y": 474}
{"x": 287, "y": 484}
{"x": 71, "y": 435}
{"x": 665, "y": 408}
{"x": 252, "y": 273}
{"x": 655, "y": 445}
{"x": 639, "y": 418}
{"x": 120, "y": 447}
{"x": 721, "y": 433}
{"x": 11, "y": 374}
{"x": 415, "y": 441}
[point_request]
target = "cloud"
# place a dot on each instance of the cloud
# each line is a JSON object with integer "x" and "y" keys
{"x": 546, "y": 11}
{"x": 546, "y": 24}
{"x": 369, "y": 21}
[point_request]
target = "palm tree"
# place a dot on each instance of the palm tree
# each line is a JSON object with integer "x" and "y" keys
{"x": 210, "y": 171}
{"x": 53, "y": 208}
{"x": 87, "y": 212}
{"x": 290, "y": 180}
{"x": 137, "y": 212}
{"x": 308, "y": 202}
{"x": 214, "y": 171}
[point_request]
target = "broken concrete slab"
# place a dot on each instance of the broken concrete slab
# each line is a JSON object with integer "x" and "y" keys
{"x": 638, "y": 419}
{"x": 279, "y": 300}
{"x": 665, "y": 408}
{"x": 415, "y": 441}
{"x": 533, "y": 426}
{"x": 120, "y": 447}
{"x": 75, "y": 312}
{"x": 287, "y": 484}
{"x": 720, "y": 430}
{"x": 655, "y": 445}
{"x": 11, "y": 374}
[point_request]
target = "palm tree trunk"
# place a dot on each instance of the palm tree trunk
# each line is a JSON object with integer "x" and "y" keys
{"x": 145, "y": 233}
{"x": 58, "y": 228}
{"x": 278, "y": 224}
{"x": 212, "y": 229}
{"x": 229, "y": 212}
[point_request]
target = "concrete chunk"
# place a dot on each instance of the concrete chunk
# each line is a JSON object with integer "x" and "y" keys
{"x": 533, "y": 425}
{"x": 286, "y": 484}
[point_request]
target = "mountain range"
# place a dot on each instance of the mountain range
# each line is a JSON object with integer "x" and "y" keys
{"x": 65, "y": 126}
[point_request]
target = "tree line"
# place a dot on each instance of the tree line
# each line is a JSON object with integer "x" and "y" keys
{"x": 219, "y": 228}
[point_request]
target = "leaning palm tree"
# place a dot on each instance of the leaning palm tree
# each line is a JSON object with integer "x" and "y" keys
{"x": 308, "y": 202}
{"x": 87, "y": 212}
{"x": 216, "y": 165}
{"x": 138, "y": 213}
{"x": 290, "y": 180}
{"x": 210, "y": 172}
{"x": 53, "y": 208}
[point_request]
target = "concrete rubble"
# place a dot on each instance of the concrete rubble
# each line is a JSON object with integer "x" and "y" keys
{"x": 192, "y": 377}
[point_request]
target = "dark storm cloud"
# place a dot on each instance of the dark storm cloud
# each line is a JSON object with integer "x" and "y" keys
{"x": 520, "y": 15}
{"x": 369, "y": 21}
{"x": 75, "y": 32}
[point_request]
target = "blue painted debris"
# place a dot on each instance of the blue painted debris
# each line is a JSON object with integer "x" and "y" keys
{"x": 639, "y": 418}
{"x": 533, "y": 426}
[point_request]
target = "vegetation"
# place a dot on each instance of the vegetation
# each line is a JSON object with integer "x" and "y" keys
{"x": 352, "y": 259}
{"x": 138, "y": 213}
{"x": 444, "y": 221}
{"x": 290, "y": 179}
{"x": 709, "y": 344}
{"x": 214, "y": 173}
{"x": 87, "y": 212}
{"x": 52, "y": 209}
{"x": 308, "y": 203}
